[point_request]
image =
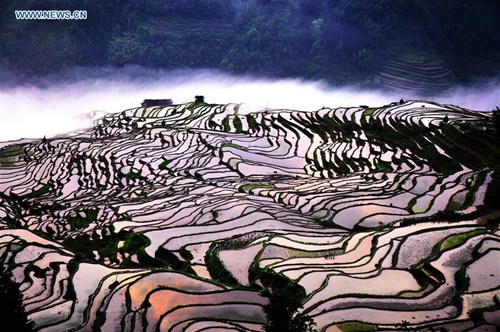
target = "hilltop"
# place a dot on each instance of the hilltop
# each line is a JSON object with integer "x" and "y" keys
{"x": 232, "y": 216}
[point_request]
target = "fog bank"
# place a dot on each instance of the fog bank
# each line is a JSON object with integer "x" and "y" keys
{"x": 56, "y": 105}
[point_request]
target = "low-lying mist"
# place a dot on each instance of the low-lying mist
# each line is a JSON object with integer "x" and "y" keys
{"x": 57, "y": 105}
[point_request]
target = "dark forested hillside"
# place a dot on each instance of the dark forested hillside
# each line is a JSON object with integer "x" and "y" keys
{"x": 420, "y": 44}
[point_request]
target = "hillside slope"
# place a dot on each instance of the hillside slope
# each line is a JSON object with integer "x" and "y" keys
{"x": 343, "y": 42}
{"x": 219, "y": 216}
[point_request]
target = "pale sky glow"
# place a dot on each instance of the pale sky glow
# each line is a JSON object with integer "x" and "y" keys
{"x": 28, "y": 111}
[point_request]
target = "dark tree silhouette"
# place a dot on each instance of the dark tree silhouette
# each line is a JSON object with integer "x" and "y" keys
{"x": 404, "y": 325}
{"x": 285, "y": 298}
{"x": 11, "y": 306}
{"x": 496, "y": 120}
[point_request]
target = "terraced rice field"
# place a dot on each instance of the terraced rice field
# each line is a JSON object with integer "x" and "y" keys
{"x": 189, "y": 26}
{"x": 199, "y": 217}
{"x": 421, "y": 73}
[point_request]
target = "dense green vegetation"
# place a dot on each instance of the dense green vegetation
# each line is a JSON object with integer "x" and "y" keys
{"x": 338, "y": 40}
{"x": 356, "y": 327}
{"x": 8, "y": 155}
{"x": 107, "y": 247}
{"x": 217, "y": 270}
{"x": 249, "y": 187}
{"x": 83, "y": 219}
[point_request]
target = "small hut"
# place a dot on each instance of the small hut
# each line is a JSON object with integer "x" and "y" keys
{"x": 156, "y": 102}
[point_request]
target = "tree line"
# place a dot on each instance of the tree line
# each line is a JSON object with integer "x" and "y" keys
{"x": 341, "y": 41}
